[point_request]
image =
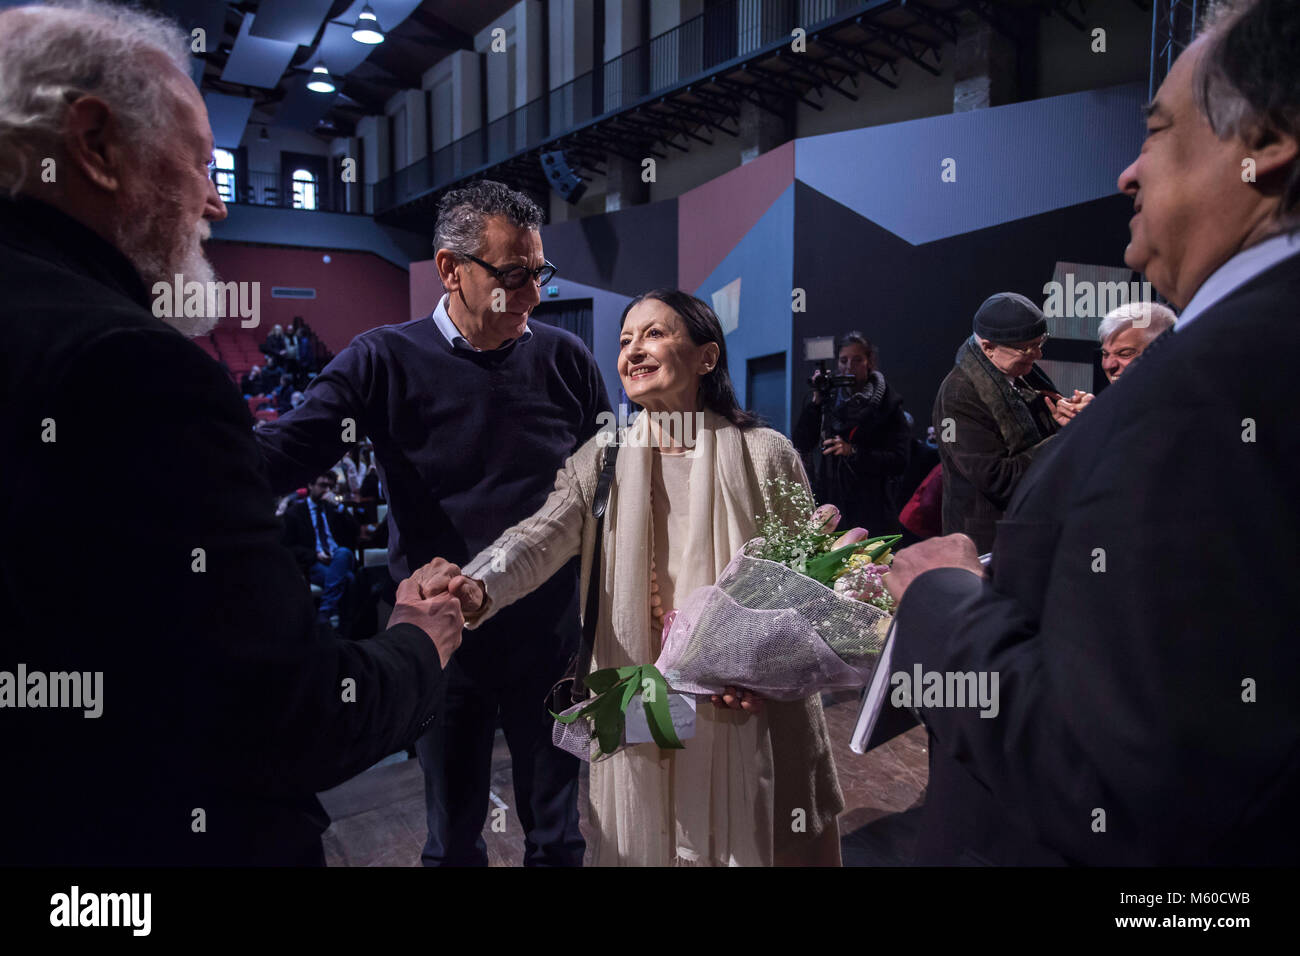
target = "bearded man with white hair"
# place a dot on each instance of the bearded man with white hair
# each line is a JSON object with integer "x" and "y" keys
{"x": 1127, "y": 330}
{"x": 163, "y": 607}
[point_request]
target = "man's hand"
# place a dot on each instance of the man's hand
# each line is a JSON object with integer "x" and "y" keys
{"x": 440, "y": 576}
{"x": 1064, "y": 409}
{"x": 950, "y": 551}
{"x": 737, "y": 698}
{"x": 438, "y": 616}
{"x": 322, "y": 557}
{"x": 836, "y": 446}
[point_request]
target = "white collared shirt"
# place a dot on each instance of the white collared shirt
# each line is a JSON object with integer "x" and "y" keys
{"x": 1237, "y": 271}
{"x": 452, "y": 334}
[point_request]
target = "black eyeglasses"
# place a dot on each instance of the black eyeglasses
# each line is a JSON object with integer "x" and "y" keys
{"x": 1026, "y": 349}
{"x": 516, "y": 276}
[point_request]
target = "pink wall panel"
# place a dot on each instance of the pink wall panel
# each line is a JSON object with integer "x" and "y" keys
{"x": 355, "y": 291}
{"x": 713, "y": 218}
{"x": 426, "y": 288}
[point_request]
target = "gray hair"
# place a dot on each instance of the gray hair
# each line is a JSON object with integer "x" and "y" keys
{"x": 1155, "y": 317}
{"x": 463, "y": 214}
{"x": 1247, "y": 84}
{"x": 49, "y": 55}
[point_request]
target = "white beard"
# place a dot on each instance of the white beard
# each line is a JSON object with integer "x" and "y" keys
{"x": 147, "y": 235}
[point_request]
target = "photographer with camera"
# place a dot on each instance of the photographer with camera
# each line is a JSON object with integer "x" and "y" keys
{"x": 854, "y": 438}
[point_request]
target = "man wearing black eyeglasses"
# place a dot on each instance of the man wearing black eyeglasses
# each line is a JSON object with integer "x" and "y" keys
{"x": 471, "y": 411}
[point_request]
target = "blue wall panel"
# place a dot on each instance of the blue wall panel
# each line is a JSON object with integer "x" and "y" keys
{"x": 1011, "y": 162}
{"x": 764, "y": 263}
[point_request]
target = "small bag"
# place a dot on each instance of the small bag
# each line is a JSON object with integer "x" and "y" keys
{"x": 572, "y": 687}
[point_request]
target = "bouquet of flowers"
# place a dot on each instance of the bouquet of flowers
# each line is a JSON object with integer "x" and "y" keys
{"x": 798, "y": 610}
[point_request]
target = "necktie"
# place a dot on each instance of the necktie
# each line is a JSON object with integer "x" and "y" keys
{"x": 322, "y": 531}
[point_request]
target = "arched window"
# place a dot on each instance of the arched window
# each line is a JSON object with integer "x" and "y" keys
{"x": 224, "y": 174}
{"x": 304, "y": 189}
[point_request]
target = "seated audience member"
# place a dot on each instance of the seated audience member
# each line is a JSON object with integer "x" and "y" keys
{"x": 1148, "y": 712}
{"x": 855, "y": 447}
{"x": 322, "y": 537}
{"x": 272, "y": 374}
{"x": 216, "y": 709}
{"x": 370, "y": 487}
{"x": 306, "y": 349}
{"x": 252, "y": 383}
{"x": 273, "y": 347}
{"x": 1129, "y": 329}
{"x": 995, "y": 411}
{"x": 354, "y": 469}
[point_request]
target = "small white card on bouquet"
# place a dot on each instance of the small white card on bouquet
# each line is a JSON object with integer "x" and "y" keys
{"x": 681, "y": 708}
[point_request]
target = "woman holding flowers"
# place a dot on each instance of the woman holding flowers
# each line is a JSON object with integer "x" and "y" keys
{"x": 756, "y": 783}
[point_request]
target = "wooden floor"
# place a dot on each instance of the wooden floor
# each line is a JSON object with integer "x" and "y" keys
{"x": 379, "y": 815}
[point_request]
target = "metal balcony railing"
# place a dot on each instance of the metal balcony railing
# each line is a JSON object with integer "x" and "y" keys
{"x": 723, "y": 34}
{"x": 260, "y": 188}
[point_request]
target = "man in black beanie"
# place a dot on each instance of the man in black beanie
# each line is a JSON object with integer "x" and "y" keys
{"x": 994, "y": 412}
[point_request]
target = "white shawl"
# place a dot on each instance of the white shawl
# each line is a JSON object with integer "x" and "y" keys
{"x": 712, "y": 803}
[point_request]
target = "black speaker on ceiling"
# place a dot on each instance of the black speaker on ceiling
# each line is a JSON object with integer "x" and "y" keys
{"x": 561, "y": 176}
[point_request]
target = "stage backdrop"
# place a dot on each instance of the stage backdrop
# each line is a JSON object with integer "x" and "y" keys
{"x": 898, "y": 231}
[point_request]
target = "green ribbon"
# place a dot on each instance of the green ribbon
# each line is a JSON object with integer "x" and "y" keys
{"x": 608, "y": 710}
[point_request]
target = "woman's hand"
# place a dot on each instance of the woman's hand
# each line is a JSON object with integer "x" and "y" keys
{"x": 737, "y": 698}
{"x": 438, "y": 576}
{"x": 836, "y": 446}
{"x": 471, "y": 593}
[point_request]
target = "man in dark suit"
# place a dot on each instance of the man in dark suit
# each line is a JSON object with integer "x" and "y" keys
{"x": 322, "y": 539}
{"x": 217, "y": 711}
{"x": 1140, "y": 609}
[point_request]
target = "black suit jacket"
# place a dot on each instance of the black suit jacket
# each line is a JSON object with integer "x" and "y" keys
{"x": 223, "y": 711}
{"x": 1124, "y": 692}
{"x": 300, "y": 533}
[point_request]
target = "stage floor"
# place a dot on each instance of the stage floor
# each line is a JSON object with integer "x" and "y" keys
{"x": 379, "y": 815}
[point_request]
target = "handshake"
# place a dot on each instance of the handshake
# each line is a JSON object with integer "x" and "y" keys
{"x": 1064, "y": 409}
{"x": 436, "y": 598}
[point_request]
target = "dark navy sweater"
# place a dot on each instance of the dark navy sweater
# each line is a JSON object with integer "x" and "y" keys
{"x": 467, "y": 443}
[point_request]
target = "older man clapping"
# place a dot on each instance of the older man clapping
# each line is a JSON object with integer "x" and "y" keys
{"x": 1127, "y": 330}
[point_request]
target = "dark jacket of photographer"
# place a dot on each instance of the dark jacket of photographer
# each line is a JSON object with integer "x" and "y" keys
{"x": 862, "y": 484}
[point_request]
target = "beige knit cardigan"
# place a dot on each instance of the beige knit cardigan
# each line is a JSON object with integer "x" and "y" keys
{"x": 748, "y": 789}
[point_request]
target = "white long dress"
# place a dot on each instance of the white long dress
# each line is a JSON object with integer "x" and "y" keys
{"x": 715, "y": 802}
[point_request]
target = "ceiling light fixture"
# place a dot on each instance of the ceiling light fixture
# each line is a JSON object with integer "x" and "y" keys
{"x": 321, "y": 81}
{"x": 367, "y": 30}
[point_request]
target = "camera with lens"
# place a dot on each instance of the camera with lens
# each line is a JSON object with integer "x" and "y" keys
{"x": 824, "y": 382}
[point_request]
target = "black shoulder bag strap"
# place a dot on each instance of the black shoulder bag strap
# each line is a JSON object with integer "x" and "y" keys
{"x": 599, "y": 504}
